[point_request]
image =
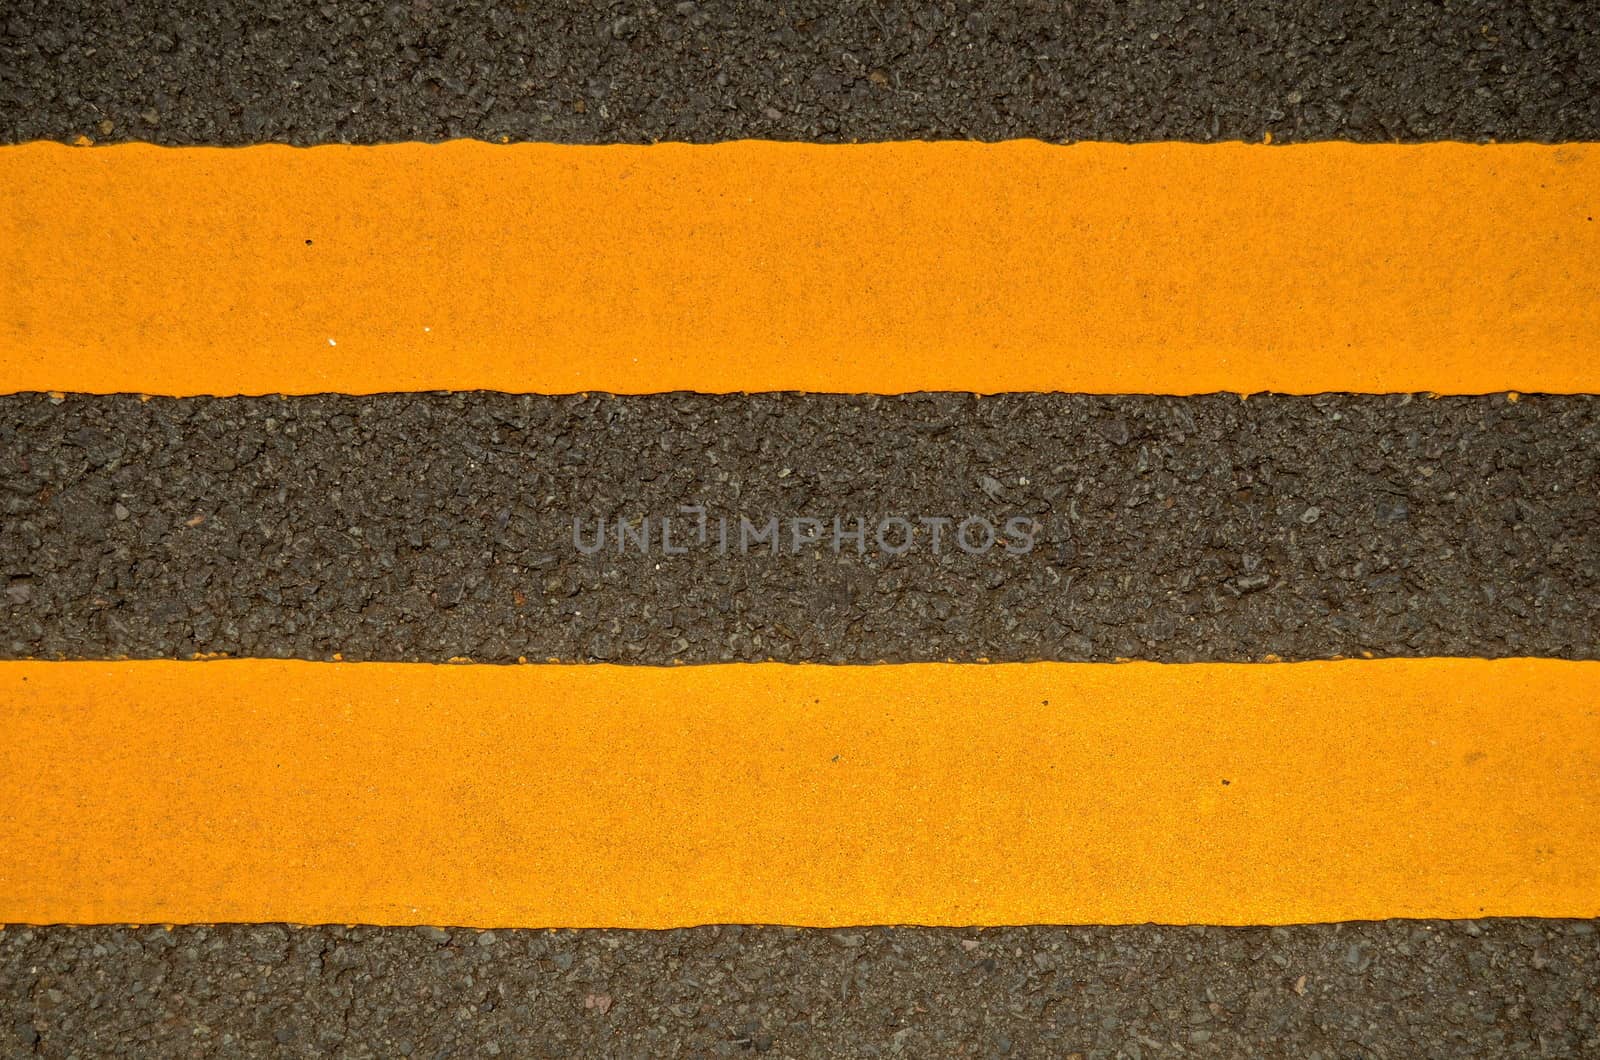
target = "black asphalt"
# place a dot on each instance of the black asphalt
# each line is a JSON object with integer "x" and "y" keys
{"x": 438, "y": 526}
{"x": 1445, "y": 990}
{"x": 572, "y": 70}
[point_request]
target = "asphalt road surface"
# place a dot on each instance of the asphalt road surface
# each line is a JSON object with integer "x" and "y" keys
{"x": 1392, "y": 989}
{"x": 233, "y": 72}
{"x": 432, "y": 526}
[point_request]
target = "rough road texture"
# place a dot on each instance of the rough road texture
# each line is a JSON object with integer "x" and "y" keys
{"x": 1397, "y": 989}
{"x": 577, "y": 71}
{"x": 433, "y": 526}
{"x": 1460, "y": 526}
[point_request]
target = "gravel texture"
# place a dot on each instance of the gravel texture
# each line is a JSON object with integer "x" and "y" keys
{"x": 438, "y": 526}
{"x": 573, "y": 70}
{"x": 1392, "y": 990}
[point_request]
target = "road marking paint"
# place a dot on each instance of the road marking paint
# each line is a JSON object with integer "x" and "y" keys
{"x": 1165, "y": 268}
{"x": 250, "y": 790}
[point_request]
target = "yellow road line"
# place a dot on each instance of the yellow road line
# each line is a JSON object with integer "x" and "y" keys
{"x": 938, "y": 794}
{"x": 1168, "y": 268}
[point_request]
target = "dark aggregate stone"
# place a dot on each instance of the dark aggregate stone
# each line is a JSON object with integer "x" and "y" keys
{"x": 575, "y": 71}
{"x": 434, "y": 526}
{"x": 1493, "y": 988}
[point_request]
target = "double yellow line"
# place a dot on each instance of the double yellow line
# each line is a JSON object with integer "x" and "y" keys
{"x": 640, "y": 796}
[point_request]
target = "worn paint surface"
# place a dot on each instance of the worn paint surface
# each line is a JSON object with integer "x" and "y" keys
{"x": 1166, "y": 268}
{"x": 939, "y": 794}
